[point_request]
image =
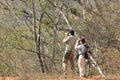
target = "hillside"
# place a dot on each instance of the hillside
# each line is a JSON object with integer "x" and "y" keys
{"x": 31, "y": 34}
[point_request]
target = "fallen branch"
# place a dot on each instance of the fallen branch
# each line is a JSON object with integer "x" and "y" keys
{"x": 95, "y": 64}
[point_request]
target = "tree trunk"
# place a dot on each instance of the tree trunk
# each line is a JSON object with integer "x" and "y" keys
{"x": 37, "y": 39}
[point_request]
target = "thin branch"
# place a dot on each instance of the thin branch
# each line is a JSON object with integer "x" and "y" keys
{"x": 61, "y": 12}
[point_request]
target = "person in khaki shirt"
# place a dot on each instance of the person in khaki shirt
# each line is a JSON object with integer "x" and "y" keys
{"x": 69, "y": 41}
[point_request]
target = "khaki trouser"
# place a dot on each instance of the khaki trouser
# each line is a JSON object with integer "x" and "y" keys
{"x": 81, "y": 65}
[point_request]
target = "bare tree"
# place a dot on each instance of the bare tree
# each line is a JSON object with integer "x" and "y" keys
{"x": 37, "y": 33}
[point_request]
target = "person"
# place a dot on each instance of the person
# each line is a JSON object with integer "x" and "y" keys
{"x": 81, "y": 47}
{"x": 69, "y": 41}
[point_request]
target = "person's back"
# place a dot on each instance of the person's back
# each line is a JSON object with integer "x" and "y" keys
{"x": 69, "y": 41}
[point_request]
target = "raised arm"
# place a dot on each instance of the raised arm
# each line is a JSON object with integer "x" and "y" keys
{"x": 66, "y": 38}
{"x": 77, "y": 46}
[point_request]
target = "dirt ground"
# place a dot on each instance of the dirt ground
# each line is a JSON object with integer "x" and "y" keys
{"x": 59, "y": 78}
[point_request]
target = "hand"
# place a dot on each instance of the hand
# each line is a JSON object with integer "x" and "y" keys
{"x": 66, "y": 34}
{"x": 78, "y": 41}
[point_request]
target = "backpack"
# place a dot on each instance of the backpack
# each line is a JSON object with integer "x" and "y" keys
{"x": 86, "y": 56}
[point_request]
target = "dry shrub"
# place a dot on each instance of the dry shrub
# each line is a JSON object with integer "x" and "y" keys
{"x": 110, "y": 61}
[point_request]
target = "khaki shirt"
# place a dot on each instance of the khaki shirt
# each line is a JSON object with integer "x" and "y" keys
{"x": 70, "y": 42}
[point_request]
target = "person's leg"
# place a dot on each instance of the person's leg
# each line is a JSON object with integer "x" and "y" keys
{"x": 64, "y": 65}
{"x": 81, "y": 66}
{"x": 72, "y": 63}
